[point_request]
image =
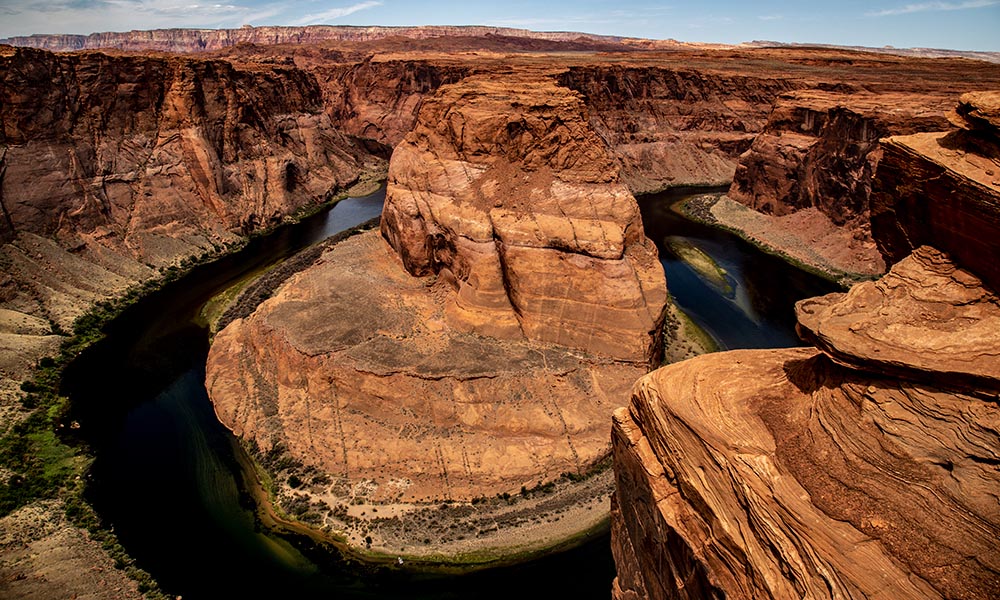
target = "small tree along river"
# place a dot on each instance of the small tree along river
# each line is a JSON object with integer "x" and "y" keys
{"x": 167, "y": 476}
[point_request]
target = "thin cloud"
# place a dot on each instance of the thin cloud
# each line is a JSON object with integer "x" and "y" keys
{"x": 770, "y": 17}
{"x": 932, "y": 7}
{"x": 335, "y": 13}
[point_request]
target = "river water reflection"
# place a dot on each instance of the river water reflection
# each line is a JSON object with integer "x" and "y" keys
{"x": 167, "y": 477}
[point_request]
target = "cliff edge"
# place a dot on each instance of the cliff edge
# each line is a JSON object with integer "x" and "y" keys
{"x": 862, "y": 468}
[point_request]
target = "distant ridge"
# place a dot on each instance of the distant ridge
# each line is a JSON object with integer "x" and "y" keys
{"x": 203, "y": 40}
{"x": 993, "y": 57}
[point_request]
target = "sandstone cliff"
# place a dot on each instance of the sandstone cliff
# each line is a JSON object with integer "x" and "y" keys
{"x": 505, "y": 191}
{"x": 944, "y": 190}
{"x": 482, "y": 352}
{"x": 199, "y": 40}
{"x": 862, "y": 468}
{"x": 676, "y": 126}
{"x": 112, "y": 167}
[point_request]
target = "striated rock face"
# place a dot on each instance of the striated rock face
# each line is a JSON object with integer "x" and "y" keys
{"x": 675, "y": 126}
{"x": 199, "y": 40}
{"x": 352, "y": 369}
{"x": 132, "y": 163}
{"x": 816, "y": 150}
{"x": 380, "y": 99}
{"x": 943, "y": 190}
{"x": 925, "y": 320}
{"x": 783, "y": 473}
{"x": 505, "y": 191}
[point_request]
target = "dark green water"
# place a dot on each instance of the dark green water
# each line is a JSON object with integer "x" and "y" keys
{"x": 166, "y": 475}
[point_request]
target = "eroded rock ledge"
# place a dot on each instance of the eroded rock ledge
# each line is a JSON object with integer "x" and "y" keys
{"x": 479, "y": 352}
{"x": 863, "y": 468}
{"x": 783, "y": 473}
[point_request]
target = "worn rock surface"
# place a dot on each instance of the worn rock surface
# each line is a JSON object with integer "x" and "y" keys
{"x": 352, "y": 368}
{"x": 783, "y": 473}
{"x": 505, "y": 191}
{"x": 943, "y": 189}
{"x": 134, "y": 163}
{"x": 479, "y": 345}
{"x": 862, "y": 468}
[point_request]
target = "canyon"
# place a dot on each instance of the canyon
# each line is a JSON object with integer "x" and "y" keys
{"x": 509, "y": 213}
{"x": 864, "y": 466}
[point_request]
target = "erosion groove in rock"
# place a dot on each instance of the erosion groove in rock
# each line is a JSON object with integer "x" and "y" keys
{"x": 775, "y": 474}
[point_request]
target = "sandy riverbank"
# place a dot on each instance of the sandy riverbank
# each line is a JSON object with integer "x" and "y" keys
{"x": 807, "y": 238}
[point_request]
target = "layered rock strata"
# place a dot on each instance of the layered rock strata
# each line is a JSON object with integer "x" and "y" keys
{"x": 811, "y": 473}
{"x": 810, "y": 173}
{"x": 480, "y": 351}
{"x": 200, "y": 40}
{"x": 675, "y": 126}
{"x": 943, "y": 189}
{"x": 504, "y": 191}
{"x": 133, "y": 163}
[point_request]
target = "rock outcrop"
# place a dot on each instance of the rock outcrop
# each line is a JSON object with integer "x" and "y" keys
{"x": 505, "y": 191}
{"x": 943, "y": 189}
{"x": 676, "y": 126}
{"x": 482, "y": 352}
{"x": 862, "y": 468}
{"x": 800, "y": 473}
{"x": 112, "y": 167}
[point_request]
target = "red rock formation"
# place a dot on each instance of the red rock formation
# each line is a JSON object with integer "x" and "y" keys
{"x": 776, "y": 474}
{"x": 505, "y": 191}
{"x": 944, "y": 190}
{"x": 136, "y": 162}
{"x": 816, "y": 150}
{"x": 863, "y": 469}
{"x": 480, "y": 354}
{"x": 675, "y": 126}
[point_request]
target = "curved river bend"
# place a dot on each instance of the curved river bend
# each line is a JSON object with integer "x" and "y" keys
{"x": 167, "y": 474}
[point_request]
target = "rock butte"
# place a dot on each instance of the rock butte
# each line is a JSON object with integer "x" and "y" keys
{"x": 865, "y": 467}
{"x": 481, "y": 350}
{"x": 116, "y": 165}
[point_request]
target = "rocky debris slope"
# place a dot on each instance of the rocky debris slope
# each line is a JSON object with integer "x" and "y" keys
{"x": 862, "y": 468}
{"x": 482, "y": 352}
{"x": 943, "y": 189}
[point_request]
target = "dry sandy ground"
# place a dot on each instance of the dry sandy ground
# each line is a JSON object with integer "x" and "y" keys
{"x": 43, "y": 556}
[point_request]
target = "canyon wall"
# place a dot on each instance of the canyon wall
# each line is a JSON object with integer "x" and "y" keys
{"x": 863, "y": 467}
{"x": 199, "y": 40}
{"x": 113, "y": 167}
{"x": 675, "y": 126}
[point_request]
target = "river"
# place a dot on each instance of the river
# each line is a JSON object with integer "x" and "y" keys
{"x": 167, "y": 478}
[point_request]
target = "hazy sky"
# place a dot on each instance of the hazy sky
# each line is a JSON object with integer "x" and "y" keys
{"x": 955, "y": 24}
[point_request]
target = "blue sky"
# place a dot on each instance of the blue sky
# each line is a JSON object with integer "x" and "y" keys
{"x": 955, "y": 24}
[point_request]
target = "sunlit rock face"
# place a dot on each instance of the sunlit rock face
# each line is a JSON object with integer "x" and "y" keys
{"x": 864, "y": 467}
{"x": 478, "y": 343}
{"x": 504, "y": 191}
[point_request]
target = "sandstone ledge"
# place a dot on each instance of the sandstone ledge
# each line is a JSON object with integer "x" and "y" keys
{"x": 777, "y": 474}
